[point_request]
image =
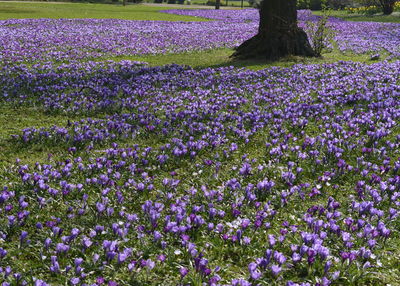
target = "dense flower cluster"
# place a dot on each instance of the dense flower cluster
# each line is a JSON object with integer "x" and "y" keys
{"x": 66, "y": 39}
{"x": 72, "y": 39}
{"x": 358, "y": 37}
{"x": 240, "y": 16}
{"x": 219, "y": 176}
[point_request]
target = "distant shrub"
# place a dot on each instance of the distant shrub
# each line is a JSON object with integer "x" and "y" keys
{"x": 310, "y": 4}
{"x": 365, "y": 10}
{"x": 320, "y": 4}
{"x": 321, "y": 36}
{"x": 370, "y": 8}
{"x": 213, "y": 2}
{"x": 339, "y": 4}
{"x": 375, "y": 6}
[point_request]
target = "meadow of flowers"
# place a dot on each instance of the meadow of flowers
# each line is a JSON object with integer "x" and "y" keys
{"x": 177, "y": 176}
{"x": 217, "y": 176}
{"x": 354, "y": 37}
{"x": 73, "y": 39}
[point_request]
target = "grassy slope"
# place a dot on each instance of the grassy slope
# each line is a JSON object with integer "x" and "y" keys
{"x": 13, "y": 120}
{"x": 394, "y": 18}
{"x": 214, "y": 58}
{"x": 20, "y": 10}
{"x": 221, "y": 58}
{"x": 231, "y": 3}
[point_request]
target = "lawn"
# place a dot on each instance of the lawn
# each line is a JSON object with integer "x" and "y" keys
{"x": 394, "y": 18}
{"x": 35, "y": 10}
{"x": 21, "y": 10}
{"x": 229, "y": 3}
{"x": 140, "y": 153}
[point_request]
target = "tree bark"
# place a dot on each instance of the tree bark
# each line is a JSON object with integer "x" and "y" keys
{"x": 217, "y": 4}
{"x": 278, "y": 34}
{"x": 387, "y": 6}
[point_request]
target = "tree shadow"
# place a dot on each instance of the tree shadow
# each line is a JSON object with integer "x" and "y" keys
{"x": 262, "y": 63}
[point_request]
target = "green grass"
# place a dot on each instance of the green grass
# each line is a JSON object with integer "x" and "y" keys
{"x": 21, "y": 10}
{"x": 224, "y": 3}
{"x": 219, "y": 253}
{"x": 12, "y": 123}
{"x": 222, "y": 57}
{"x": 13, "y": 119}
{"x": 394, "y": 18}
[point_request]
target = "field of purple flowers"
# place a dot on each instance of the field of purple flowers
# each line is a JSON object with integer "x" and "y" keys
{"x": 75, "y": 39}
{"x": 177, "y": 176}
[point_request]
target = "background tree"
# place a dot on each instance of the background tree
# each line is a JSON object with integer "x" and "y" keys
{"x": 387, "y": 6}
{"x": 278, "y": 34}
{"x": 338, "y": 4}
{"x": 309, "y": 4}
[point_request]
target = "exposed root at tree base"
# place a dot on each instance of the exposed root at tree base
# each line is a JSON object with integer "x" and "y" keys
{"x": 276, "y": 45}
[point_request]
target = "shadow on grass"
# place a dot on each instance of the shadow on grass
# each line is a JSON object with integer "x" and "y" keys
{"x": 261, "y": 62}
{"x": 222, "y": 58}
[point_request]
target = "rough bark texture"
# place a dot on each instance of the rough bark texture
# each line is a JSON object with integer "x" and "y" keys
{"x": 387, "y": 6}
{"x": 217, "y": 4}
{"x": 278, "y": 33}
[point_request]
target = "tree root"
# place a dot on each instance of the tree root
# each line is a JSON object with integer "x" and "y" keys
{"x": 275, "y": 45}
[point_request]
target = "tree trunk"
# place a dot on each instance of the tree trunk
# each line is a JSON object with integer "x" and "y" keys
{"x": 217, "y": 4}
{"x": 278, "y": 33}
{"x": 387, "y": 6}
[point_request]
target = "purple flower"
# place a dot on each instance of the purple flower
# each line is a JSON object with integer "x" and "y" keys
{"x": 245, "y": 170}
{"x": 62, "y": 248}
{"x": 78, "y": 261}
{"x": 279, "y": 257}
{"x": 150, "y": 264}
{"x": 74, "y": 281}
{"x": 271, "y": 240}
{"x": 183, "y": 271}
{"x": 132, "y": 265}
{"x": 3, "y": 252}
{"x": 276, "y": 269}
{"x": 122, "y": 256}
{"x": 100, "y": 280}
{"x": 296, "y": 257}
{"x": 254, "y": 272}
{"x": 55, "y": 267}
{"x": 23, "y": 236}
